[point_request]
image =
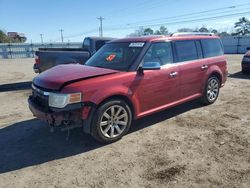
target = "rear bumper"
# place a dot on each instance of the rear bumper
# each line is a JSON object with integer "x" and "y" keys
{"x": 36, "y": 69}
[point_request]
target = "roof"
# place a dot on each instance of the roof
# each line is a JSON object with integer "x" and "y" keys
{"x": 161, "y": 38}
{"x": 100, "y": 38}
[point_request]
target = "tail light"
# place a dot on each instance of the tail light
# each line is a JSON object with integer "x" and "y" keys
{"x": 37, "y": 60}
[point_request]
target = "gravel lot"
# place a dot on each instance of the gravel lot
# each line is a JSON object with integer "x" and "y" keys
{"x": 187, "y": 146}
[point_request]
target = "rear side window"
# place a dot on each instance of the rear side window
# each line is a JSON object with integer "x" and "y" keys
{"x": 186, "y": 50}
{"x": 159, "y": 52}
{"x": 212, "y": 47}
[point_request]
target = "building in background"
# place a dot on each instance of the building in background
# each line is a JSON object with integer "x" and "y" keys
{"x": 17, "y": 37}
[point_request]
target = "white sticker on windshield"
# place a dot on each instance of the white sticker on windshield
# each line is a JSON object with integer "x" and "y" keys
{"x": 136, "y": 44}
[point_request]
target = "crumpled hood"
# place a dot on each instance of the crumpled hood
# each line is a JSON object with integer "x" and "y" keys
{"x": 61, "y": 75}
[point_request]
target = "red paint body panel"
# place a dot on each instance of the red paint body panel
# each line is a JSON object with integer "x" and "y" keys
{"x": 58, "y": 75}
{"x": 149, "y": 92}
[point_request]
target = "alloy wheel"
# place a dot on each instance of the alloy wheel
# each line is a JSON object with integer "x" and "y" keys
{"x": 212, "y": 89}
{"x": 114, "y": 121}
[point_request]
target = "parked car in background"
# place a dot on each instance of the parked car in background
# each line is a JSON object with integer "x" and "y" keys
{"x": 245, "y": 63}
{"x": 128, "y": 79}
{"x": 46, "y": 58}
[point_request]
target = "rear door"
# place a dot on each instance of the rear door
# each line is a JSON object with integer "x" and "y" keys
{"x": 158, "y": 88}
{"x": 192, "y": 67}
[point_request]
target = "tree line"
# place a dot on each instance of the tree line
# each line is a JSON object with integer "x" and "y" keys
{"x": 241, "y": 27}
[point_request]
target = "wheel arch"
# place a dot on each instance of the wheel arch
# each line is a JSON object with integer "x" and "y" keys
{"x": 216, "y": 74}
{"x": 121, "y": 97}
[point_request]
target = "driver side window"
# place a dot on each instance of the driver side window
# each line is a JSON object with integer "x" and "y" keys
{"x": 159, "y": 52}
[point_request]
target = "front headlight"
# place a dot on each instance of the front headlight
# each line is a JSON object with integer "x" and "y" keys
{"x": 59, "y": 100}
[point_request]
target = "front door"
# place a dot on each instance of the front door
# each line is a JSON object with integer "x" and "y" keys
{"x": 158, "y": 88}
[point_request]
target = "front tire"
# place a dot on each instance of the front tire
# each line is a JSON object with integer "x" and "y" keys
{"x": 211, "y": 90}
{"x": 111, "y": 121}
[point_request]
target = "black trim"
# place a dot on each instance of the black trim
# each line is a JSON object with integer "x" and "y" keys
{"x": 32, "y": 103}
{"x": 134, "y": 66}
{"x": 87, "y": 122}
{"x": 199, "y": 49}
{"x": 69, "y": 107}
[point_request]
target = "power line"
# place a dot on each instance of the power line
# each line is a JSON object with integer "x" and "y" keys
{"x": 182, "y": 21}
{"x": 82, "y": 33}
{"x": 100, "y": 29}
{"x": 169, "y": 20}
{"x": 136, "y": 5}
{"x": 209, "y": 14}
{"x": 185, "y": 15}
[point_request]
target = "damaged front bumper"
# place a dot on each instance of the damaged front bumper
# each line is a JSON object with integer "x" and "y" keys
{"x": 71, "y": 116}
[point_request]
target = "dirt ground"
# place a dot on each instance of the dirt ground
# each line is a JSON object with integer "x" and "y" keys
{"x": 187, "y": 146}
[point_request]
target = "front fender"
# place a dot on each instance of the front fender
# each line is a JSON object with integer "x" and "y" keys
{"x": 105, "y": 93}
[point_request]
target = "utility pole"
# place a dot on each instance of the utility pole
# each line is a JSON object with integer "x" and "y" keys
{"x": 61, "y": 30}
{"x": 101, "y": 30}
{"x": 41, "y": 35}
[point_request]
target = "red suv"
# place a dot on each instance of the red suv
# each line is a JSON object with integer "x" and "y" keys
{"x": 128, "y": 79}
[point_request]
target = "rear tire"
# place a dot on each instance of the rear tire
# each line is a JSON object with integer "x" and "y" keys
{"x": 211, "y": 90}
{"x": 111, "y": 121}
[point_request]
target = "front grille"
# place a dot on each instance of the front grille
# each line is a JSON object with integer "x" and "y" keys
{"x": 40, "y": 99}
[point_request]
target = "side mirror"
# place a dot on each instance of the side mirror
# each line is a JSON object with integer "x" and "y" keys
{"x": 248, "y": 48}
{"x": 151, "y": 66}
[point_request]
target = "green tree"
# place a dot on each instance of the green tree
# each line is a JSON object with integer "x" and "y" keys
{"x": 242, "y": 26}
{"x": 148, "y": 31}
{"x": 162, "y": 31}
{"x": 224, "y": 34}
{"x": 203, "y": 29}
{"x": 185, "y": 30}
{"x": 3, "y": 37}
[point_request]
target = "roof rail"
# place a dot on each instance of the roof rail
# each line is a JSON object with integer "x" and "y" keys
{"x": 192, "y": 34}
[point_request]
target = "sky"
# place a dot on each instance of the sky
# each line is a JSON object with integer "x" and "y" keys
{"x": 78, "y": 18}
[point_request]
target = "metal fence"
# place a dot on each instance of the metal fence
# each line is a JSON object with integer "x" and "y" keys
{"x": 25, "y": 50}
{"x": 236, "y": 45}
{"x": 232, "y": 45}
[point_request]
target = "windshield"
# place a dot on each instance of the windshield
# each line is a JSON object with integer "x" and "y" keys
{"x": 117, "y": 56}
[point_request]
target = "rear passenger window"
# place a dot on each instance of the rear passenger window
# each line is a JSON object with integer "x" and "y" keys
{"x": 212, "y": 47}
{"x": 159, "y": 52}
{"x": 186, "y": 50}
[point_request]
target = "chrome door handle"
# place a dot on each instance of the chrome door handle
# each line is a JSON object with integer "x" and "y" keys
{"x": 204, "y": 67}
{"x": 173, "y": 74}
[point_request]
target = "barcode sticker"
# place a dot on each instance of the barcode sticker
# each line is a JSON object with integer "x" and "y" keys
{"x": 136, "y": 44}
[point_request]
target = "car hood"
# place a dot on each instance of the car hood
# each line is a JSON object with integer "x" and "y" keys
{"x": 59, "y": 76}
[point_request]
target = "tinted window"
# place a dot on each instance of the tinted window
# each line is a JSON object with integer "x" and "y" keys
{"x": 86, "y": 42}
{"x": 186, "y": 50}
{"x": 159, "y": 52}
{"x": 117, "y": 56}
{"x": 99, "y": 44}
{"x": 212, "y": 47}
